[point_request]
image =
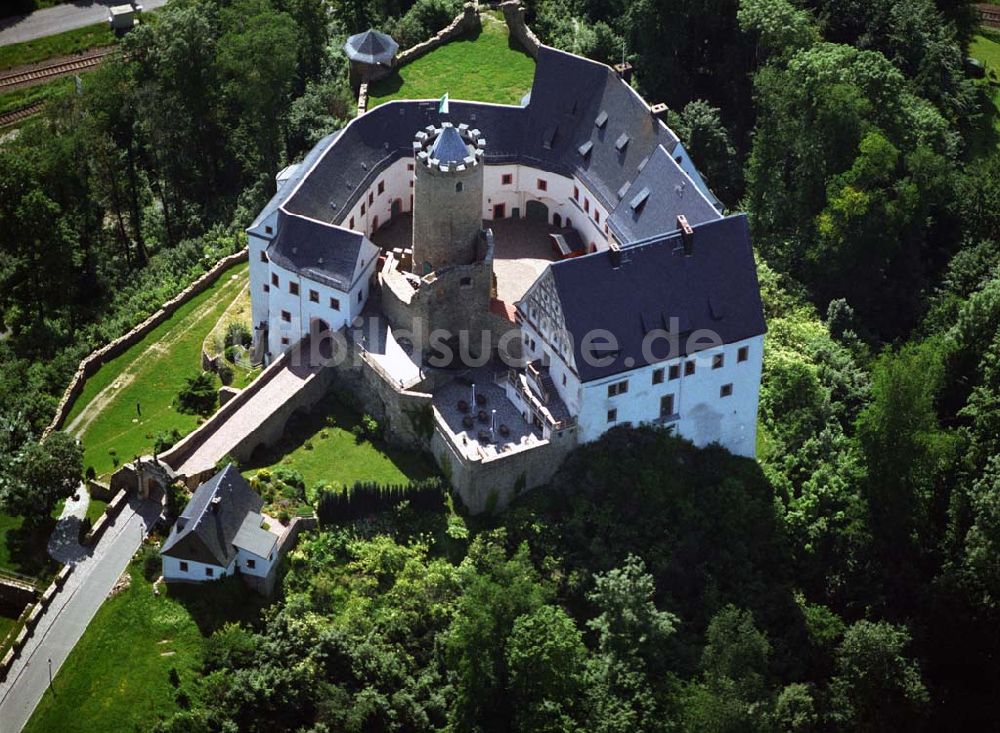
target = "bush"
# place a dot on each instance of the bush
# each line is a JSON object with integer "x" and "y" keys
{"x": 367, "y": 498}
{"x": 165, "y": 440}
{"x": 232, "y": 353}
{"x": 90, "y": 473}
{"x": 226, "y": 373}
{"x": 227, "y": 460}
{"x": 152, "y": 563}
{"x": 198, "y": 396}
{"x": 238, "y": 334}
{"x": 177, "y": 497}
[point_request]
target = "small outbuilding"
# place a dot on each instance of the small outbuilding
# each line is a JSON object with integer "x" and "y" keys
{"x": 372, "y": 55}
{"x": 123, "y": 18}
{"x": 220, "y": 531}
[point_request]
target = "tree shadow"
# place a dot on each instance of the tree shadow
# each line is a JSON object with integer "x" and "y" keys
{"x": 27, "y": 548}
{"x": 212, "y": 605}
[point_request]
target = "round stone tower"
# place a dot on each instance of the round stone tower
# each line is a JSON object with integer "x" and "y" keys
{"x": 447, "y": 197}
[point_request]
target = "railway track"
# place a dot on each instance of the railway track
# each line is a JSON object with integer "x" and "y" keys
{"x": 15, "y": 78}
{"x": 20, "y": 114}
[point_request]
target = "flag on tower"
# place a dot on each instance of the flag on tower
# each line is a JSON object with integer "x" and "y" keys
{"x": 443, "y": 104}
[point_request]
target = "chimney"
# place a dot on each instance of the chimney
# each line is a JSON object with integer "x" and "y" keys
{"x": 659, "y": 111}
{"x": 624, "y": 71}
{"x": 687, "y": 234}
{"x": 615, "y": 253}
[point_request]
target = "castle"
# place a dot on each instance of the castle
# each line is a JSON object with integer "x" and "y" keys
{"x": 525, "y": 276}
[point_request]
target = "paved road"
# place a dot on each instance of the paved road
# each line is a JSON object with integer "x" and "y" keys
{"x": 60, "y": 18}
{"x": 73, "y": 607}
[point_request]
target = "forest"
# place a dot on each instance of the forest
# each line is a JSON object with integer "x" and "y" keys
{"x": 847, "y": 580}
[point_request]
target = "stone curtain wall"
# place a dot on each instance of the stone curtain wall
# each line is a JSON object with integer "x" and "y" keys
{"x": 513, "y": 14}
{"x": 466, "y": 23}
{"x": 106, "y": 353}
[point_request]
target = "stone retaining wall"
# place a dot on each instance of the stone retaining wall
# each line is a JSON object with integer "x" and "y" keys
{"x": 30, "y": 618}
{"x": 465, "y": 24}
{"x": 513, "y": 14}
{"x": 95, "y": 360}
{"x": 111, "y": 512}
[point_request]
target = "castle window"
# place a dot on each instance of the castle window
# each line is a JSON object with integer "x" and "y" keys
{"x": 210, "y": 572}
{"x": 743, "y": 354}
{"x": 543, "y": 185}
{"x": 293, "y": 288}
{"x": 459, "y": 187}
{"x": 564, "y": 380}
{"x": 409, "y": 166}
{"x": 313, "y": 296}
{"x": 597, "y": 216}
{"x": 576, "y": 193}
{"x": 335, "y": 304}
{"x": 657, "y": 376}
{"x": 618, "y": 388}
{"x": 381, "y": 187}
{"x": 506, "y": 179}
{"x": 184, "y": 567}
{"x": 726, "y": 390}
{"x": 284, "y": 341}
{"x": 363, "y": 209}
{"x": 689, "y": 368}
{"x": 263, "y": 256}
{"x": 675, "y": 371}
{"x": 286, "y": 316}
{"x": 612, "y": 415}
{"x": 267, "y": 288}
{"x": 371, "y": 198}
{"x": 274, "y": 279}
{"x": 718, "y": 361}
{"x": 351, "y": 225}
{"x": 411, "y": 184}
{"x": 465, "y": 282}
{"x": 361, "y": 294}
{"x": 667, "y": 405}
{"x": 251, "y": 563}
{"x": 586, "y": 204}
{"x": 268, "y": 230}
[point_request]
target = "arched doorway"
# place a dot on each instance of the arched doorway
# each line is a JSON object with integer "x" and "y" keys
{"x": 556, "y": 220}
{"x": 536, "y": 211}
{"x": 374, "y": 224}
{"x": 321, "y": 338}
{"x": 396, "y": 208}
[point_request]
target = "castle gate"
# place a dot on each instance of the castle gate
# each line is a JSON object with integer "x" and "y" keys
{"x": 536, "y": 211}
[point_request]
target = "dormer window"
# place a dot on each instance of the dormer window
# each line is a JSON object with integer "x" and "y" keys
{"x": 639, "y": 200}
{"x": 585, "y": 149}
{"x": 602, "y": 119}
{"x": 621, "y": 142}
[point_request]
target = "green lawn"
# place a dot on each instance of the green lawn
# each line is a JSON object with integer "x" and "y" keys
{"x": 117, "y": 678}
{"x": 149, "y": 374}
{"x": 61, "y": 44}
{"x": 336, "y": 457}
{"x": 986, "y": 48}
{"x": 487, "y": 68}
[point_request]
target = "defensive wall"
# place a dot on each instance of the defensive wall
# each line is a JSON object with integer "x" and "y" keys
{"x": 96, "y": 359}
{"x": 513, "y": 15}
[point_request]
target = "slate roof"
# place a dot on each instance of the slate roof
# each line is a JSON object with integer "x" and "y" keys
{"x": 568, "y": 96}
{"x": 205, "y": 531}
{"x": 715, "y": 288}
{"x": 254, "y": 538}
{"x": 323, "y": 252}
{"x": 659, "y": 193}
{"x": 371, "y": 47}
{"x": 449, "y": 147}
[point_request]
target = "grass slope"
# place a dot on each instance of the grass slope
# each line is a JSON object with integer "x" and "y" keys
{"x": 60, "y": 44}
{"x": 117, "y": 676}
{"x": 986, "y": 48}
{"x": 335, "y": 455}
{"x": 489, "y": 67}
{"x": 150, "y": 373}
